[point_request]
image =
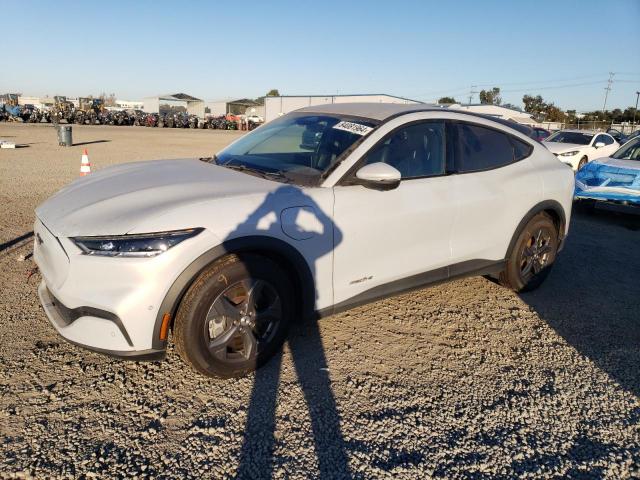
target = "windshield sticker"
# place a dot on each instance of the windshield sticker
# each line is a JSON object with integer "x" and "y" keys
{"x": 351, "y": 127}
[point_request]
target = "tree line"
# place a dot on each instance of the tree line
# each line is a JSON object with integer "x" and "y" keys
{"x": 544, "y": 111}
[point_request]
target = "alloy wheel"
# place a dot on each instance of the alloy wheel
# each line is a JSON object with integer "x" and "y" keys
{"x": 537, "y": 253}
{"x": 242, "y": 320}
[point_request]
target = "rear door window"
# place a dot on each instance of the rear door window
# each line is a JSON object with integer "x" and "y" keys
{"x": 598, "y": 139}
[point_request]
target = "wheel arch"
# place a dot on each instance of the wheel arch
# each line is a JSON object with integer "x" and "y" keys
{"x": 278, "y": 250}
{"x": 554, "y": 209}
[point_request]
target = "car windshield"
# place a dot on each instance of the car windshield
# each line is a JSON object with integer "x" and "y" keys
{"x": 633, "y": 135}
{"x": 630, "y": 151}
{"x": 296, "y": 148}
{"x": 571, "y": 137}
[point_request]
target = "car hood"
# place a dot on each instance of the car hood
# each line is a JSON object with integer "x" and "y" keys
{"x": 557, "y": 147}
{"x": 114, "y": 200}
{"x": 615, "y": 162}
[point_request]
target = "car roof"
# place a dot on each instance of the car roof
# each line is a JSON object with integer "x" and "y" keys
{"x": 386, "y": 111}
{"x": 586, "y": 132}
{"x": 374, "y": 111}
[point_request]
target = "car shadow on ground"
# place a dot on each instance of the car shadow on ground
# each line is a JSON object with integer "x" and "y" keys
{"x": 592, "y": 296}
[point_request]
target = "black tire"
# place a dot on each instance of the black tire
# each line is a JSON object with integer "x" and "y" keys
{"x": 582, "y": 163}
{"x": 211, "y": 333}
{"x": 533, "y": 255}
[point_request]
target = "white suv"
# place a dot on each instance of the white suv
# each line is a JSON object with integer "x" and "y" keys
{"x": 322, "y": 209}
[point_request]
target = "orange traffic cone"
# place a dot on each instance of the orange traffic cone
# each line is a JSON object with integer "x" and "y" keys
{"x": 85, "y": 166}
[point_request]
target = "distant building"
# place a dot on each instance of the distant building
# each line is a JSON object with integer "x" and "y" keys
{"x": 277, "y": 106}
{"x": 243, "y": 106}
{"x": 124, "y": 104}
{"x": 176, "y": 102}
{"x": 24, "y": 100}
{"x": 216, "y": 108}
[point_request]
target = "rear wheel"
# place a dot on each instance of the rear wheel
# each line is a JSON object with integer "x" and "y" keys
{"x": 235, "y": 316}
{"x": 532, "y": 256}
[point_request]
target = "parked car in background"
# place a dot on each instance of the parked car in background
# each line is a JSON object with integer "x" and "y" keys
{"x": 577, "y": 147}
{"x": 320, "y": 210}
{"x": 255, "y": 119}
{"x": 633, "y": 135}
{"x": 540, "y": 133}
{"x": 617, "y": 135}
{"x": 612, "y": 179}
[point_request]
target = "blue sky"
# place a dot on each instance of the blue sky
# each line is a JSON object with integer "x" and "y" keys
{"x": 562, "y": 50}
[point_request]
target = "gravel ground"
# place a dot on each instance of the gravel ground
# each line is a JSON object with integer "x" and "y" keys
{"x": 463, "y": 380}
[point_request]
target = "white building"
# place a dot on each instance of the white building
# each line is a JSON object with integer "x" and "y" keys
{"x": 277, "y": 106}
{"x": 123, "y": 104}
{"x": 243, "y": 106}
{"x": 216, "y": 108}
{"x": 35, "y": 101}
{"x": 175, "y": 102}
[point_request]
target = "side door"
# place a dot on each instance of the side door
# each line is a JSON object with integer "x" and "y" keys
{"x": 395, "y": 239}
{"x": 494, "y": 185}
{"x": 595, "y": 152}
{"x": 610, "y": 146}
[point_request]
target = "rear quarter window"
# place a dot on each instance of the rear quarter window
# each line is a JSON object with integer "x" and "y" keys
{"x": 480, "y": 148}
{"x": 520, "y": 149}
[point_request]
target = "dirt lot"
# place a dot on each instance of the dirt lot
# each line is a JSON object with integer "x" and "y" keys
{"x": 464, "y": 380}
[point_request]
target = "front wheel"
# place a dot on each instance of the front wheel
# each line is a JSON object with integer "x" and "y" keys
{"x": 532, "y": 256}
{"x": 582, "y": 163}
{"x": 235, "y": 316}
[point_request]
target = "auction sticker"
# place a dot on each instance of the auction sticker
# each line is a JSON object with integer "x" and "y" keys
{"x": 355, "y": 128}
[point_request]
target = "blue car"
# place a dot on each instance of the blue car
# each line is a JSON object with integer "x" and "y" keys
{"x": 612, "y": 179}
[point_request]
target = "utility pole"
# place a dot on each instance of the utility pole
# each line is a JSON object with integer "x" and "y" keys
{"x": 472, "y": 92}
{"x": 636, "y": 110}
{"x": 607, "y": 90}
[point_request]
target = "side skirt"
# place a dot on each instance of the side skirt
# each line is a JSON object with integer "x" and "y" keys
{"x": 470, "y": 268}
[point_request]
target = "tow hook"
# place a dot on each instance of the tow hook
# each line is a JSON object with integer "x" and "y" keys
{"x": 31, "y": 273}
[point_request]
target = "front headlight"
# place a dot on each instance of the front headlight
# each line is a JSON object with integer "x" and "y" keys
{"x": 569, "y": 154}
{"x": 136, "y": 245}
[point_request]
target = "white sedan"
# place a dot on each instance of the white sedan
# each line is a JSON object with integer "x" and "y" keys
{"x": 577, "y": 147}
{"x": 255, "y": 119}
{"x": 320, "y": 210}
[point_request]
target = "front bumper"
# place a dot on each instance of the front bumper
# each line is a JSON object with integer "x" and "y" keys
{"x": 109, "y": 304}
{"x": 74, "y": 325}
{"x": 572, "y": 161}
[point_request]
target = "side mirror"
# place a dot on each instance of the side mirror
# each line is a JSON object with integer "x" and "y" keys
{"x": 599, "y": 145}
{"x": 379, "y": 175}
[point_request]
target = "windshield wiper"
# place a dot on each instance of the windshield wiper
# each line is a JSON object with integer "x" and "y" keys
{"x": 279, "y": 174}
{"x": 213, "y": 159}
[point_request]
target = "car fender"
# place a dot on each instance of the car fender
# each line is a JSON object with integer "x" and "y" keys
{"x": 256, "y": 243}
{"x": 553, "y": 205}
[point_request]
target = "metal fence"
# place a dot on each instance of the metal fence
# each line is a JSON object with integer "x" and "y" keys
{"x": 625, "y": 128}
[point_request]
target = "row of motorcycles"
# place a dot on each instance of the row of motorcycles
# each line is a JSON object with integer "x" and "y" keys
{"x": 184, "y": 120}
{"x": 31, "y": 114}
